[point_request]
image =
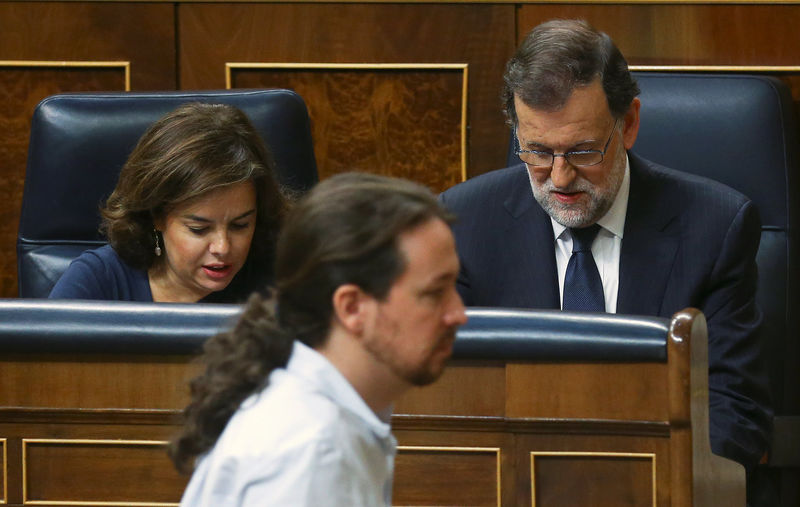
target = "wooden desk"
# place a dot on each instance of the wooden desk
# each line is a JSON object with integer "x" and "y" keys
{"x": 89, "y": 429}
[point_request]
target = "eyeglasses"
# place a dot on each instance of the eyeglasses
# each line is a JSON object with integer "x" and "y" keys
{"x": 578, "y": 158}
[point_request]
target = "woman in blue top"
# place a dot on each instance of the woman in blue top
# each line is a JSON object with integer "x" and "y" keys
{"x": 194, "y": 215}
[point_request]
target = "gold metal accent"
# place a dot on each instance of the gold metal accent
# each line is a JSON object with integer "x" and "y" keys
{"x": 4, "y": 443}
{"x": 77, "y": 441}
{"x": 771, "y": 69}
{"x": 495, "y": 450}
{"x": 126, "y": 66}
{"x": 638, "y": 455}
{"x": 463, "y": 67}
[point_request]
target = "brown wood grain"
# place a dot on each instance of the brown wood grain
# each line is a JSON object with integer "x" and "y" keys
{"x": 21, "y": 88}
{"x": 481, "y": 36}
{"x": 64, "y": 470}
{"x": 606, "y": 480}
{"x": 513, "y": 408}
{"x": 688, "y": 34}
{"x": 142, "y": 34}
{"x": 447, "y": 475}
{"x": 396, "y": 122}
{"x": 591, "y": 390}
{"x": 96, "y": 381}
{"x": 465, "y": 388}
{"x": 586, "y": 473}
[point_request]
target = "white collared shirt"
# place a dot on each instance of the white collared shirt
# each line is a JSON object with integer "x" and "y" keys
{"x": 307, "y": 439}
{"x": 606, "y": 247}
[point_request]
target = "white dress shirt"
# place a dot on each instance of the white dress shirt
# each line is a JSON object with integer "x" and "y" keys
{"x": 606, "y": 247}
{"x": 308, "y": 439}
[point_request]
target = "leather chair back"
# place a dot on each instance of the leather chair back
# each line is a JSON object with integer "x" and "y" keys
{"x": 79, "y": 143}
{"x": 740, "y": 130}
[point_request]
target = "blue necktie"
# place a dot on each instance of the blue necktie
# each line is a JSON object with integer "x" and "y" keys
{"x": 583, "y": 289}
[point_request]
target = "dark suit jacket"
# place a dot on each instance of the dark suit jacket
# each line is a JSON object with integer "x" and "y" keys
{"x": 688, "y": 241}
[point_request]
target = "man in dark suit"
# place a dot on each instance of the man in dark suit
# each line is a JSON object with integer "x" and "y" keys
{"x": 666, "y": 240}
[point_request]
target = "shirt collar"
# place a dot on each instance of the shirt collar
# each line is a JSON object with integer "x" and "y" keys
{"x": 614, "y": 219}
{"x": 315, "y": 369}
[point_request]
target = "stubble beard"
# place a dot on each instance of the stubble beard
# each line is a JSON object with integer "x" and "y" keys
{"x": 418, "y": 375}
{"x": 581, "y": 214}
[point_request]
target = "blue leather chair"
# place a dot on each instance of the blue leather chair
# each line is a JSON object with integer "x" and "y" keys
{"x": 741, "y": 130}
{"x": 79, "y": 143}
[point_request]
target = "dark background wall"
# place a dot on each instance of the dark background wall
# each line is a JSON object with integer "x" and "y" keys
{"x": 405, "y": 89}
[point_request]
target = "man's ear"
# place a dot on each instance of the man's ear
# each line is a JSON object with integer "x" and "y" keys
{"x": 630, "y": 129}
{"x": 351, "y": 307}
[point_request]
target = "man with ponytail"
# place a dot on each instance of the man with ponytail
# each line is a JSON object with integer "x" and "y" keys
{"x": 293, "y": 408}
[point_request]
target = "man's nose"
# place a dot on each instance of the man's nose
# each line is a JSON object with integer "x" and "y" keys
{"x": 457, "y": 315}
{"x": 563, "y": 173}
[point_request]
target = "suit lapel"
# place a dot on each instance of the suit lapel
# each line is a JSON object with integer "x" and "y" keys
{"x": 649, "y": 246}
{"x": 530, "y": 260}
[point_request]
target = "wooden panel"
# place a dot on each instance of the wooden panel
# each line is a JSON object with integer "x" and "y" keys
{"x": 65, "y": 381}
{"x": 142, "y": 34}
{"x": 481, "y": 36}
{"x": 114, "y": 472}
{"x": 606, "y": 479}
{"x": 640, "y": 471}
{"x": 21, "y": 88}
{"x": 463, "y": 389}
{"x": 447, "y": 476}
{"x": 684, "y": 34}
{"x": 687, "y": 34}
{"x": 600, "y": 391}
{"x": 407, "y": 122}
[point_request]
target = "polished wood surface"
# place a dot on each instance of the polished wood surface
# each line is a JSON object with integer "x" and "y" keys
{"x": 71, "y": 32}
{"x": 393, "y": 121}
{"x": 745, "y": 36}
{"x": 95, "y": 381}
{"x": 406, "y": 119}
{"x": 82, "y": 471}
{"x": 85, "y": 428}
{"x": 677, "y": 33}
{"x": 447, "y": 475}
{"x": 481, "y": 36}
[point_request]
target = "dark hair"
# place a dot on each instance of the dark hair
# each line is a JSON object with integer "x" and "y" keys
{"x": 344, "y": 231}
{"x": 187, "y": 153}
{"x": 558, "y": 56}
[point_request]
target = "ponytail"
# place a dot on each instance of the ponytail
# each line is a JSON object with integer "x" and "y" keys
{"x": 238, "y": 363}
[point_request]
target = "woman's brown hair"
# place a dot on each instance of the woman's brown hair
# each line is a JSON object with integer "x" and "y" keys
{"x": 187, "y": 153}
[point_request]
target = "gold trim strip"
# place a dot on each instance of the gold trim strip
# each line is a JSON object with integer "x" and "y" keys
{"x": 495, "y": 450}
{"x": 534, "y": 454}
{"x": 776, "y": 69}
{"x": 463, "y": 67}
{"x": 90, "y": 441}
{"x": 464, "y": 98}
{"x": 4, "y": 443}
{"x": 344, "y": 66}
{"x": 79, "y": 441}
{"x": 125, "y": 65}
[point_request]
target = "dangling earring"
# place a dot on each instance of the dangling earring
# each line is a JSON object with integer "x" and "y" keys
{"x": 158, "y": 248}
